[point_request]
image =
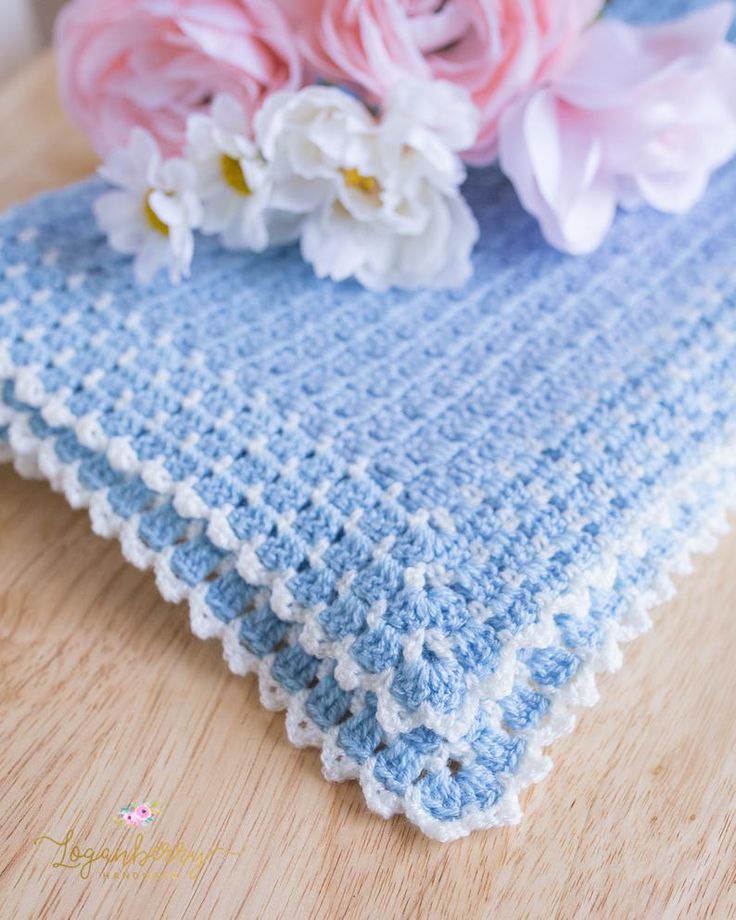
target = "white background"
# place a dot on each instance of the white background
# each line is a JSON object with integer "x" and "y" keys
{"x": 19, "y": 34}
{"x": 25, "y": 26}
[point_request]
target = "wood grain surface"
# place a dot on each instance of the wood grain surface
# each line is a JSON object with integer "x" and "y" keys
{"x": 105, "y": 697}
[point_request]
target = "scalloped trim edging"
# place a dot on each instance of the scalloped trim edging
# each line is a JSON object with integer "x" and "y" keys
{"x": 34, "y": 458}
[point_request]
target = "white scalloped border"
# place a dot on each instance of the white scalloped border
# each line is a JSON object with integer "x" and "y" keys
{"x": 36, "y": 458}
{"x": 453, "y": 725}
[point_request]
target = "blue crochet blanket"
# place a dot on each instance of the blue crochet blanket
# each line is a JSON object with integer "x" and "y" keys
{"x": 424, "y": 521}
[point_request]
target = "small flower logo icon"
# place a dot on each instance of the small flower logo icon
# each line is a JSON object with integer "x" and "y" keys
{"x": 137, "y": 815}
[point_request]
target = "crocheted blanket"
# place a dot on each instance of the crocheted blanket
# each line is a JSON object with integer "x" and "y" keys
{"x": 424, "y": 521}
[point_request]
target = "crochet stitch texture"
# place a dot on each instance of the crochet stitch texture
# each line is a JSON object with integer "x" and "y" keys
{"x": 424, "y": 521}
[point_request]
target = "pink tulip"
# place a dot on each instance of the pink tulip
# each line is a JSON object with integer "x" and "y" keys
{"x": 640, "y": 115}
{"x": 494, "y": 49}
{"x": 151, "y": 63}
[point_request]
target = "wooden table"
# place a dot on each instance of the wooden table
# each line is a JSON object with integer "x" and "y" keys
{"x": 106, "y": 697}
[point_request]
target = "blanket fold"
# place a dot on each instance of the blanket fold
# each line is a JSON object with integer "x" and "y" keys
{"x": 425, "y": 521}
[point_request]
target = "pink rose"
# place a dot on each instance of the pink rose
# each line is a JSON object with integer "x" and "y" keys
{"x": 131, "y": 819}
{"x": 143, "y": 812}
{"x": 641, "y": 115}
{"x": 492, "y": 48}
{"x": 151, "y": 63}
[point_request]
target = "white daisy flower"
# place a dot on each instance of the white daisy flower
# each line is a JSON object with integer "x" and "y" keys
{"x": 306, "y": 136}
{"x": 233, "y": 178}
{"x": 428, "y": 246}
{"x": 381, "y": 198}
{"x": 154, "y": 209}
{"x": 424, "y": 126}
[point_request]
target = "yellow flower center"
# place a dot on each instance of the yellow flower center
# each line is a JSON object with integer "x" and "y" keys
{"x": 152, "y": 217}
{"x": 355, "y": 179}
{"x": 232, "y": 173}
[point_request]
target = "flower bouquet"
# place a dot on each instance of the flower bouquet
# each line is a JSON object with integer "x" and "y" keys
{"x": 348, "y": 125}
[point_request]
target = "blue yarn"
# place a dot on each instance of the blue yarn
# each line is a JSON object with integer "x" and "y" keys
{"x": 422, "y": 518}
